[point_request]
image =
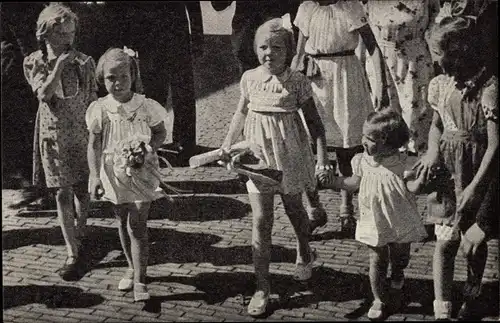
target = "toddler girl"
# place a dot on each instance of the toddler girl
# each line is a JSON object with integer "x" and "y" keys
{"x": 125, "y": 119}
{"x": 271, "y": 96}
{"x": 329, "y": 34}
{"x": 389, "y": 219}
{"x": 63, "y": 80}
{"x": 464, "y": 140}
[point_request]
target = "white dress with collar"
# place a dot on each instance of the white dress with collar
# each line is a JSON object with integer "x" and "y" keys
{"x": 117, "y": 121}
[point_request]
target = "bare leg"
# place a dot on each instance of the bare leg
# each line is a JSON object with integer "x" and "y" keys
{"x": 65, "y": 214}
{"x": 262, "y": 217}
{"x": 379, "y": 262}
{"x": 443, "y": 268}
{"x": 298, "y": 217}
{"x": 121, "y": 214}
{"x": 399, "y": 254}
{"x": 82, "y": 205}
{"x": 138, "y": 231}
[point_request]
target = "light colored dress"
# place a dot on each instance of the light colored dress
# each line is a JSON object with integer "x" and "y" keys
{"x": 340, "y": 91}
{"x": 273, "y": 123}
{"x": 388, "y": 211}
{"x": 116, "y": 122}
{"x": 400, "y": 27}
{"x": 61, "y": 137}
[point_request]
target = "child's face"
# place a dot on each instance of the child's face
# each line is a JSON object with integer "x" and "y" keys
{"x": 271, "y": 52}
{"x": 118, "y": 80}
{"x": 370, "y": 142}
{"x": 63, "y": 34}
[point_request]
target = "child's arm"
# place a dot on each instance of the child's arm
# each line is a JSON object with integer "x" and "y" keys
{"x": 237, "y": 123}
{"x": 94, "y": 152}
{"x": 316, "y": 129}
{"x": 158, "y": 136}
{"x": 48, "y": 88}
{"x": 350, "y": 183}
{"x": 431, "y": 156}
{"x": 380, "y": 86}
{"x": 298, "y": 59}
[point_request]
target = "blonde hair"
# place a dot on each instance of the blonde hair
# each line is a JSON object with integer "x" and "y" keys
{"x": 274, "y": 27}
{"x": 54, "y": 14}
{"x": 119, "y": 55}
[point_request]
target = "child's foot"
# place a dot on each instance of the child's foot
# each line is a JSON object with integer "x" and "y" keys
{"x": 377, "y": 311}
{"x": 127, "y": 282}
{"x": 141, "y": 293}
{"x": 442, "y": 310}
{"x": 303, "y": 271}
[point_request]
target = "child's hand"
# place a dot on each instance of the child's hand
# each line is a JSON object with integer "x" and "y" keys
{"x": 96, "y": 188}
{"x": 325, "y": 175}
{"x": 66, "y": 58}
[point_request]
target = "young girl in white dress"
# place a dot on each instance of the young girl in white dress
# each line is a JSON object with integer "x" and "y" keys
{"x": 271, "y": 96}
{"x": 329, "y": 34}
{"x": 112, "y": 120}
{"x": 389, "y": 219}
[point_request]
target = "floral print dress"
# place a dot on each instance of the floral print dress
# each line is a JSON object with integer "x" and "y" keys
{"x": 400, "y": 27}
{"x": 60, "y": 143}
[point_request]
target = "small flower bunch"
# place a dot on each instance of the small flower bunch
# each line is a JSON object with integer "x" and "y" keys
{"x": 132, "y": 152}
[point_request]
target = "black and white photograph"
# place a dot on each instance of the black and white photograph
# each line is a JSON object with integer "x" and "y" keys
{"x": 256, "y": 160}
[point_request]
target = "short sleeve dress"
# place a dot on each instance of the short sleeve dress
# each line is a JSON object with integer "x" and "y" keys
{"x": 463, "y": 144}
{"x": 61, "y": 137}
{"x": 116, "y": 122}
{"x": 388, "y": 211}
{"x": 340, "y": 90}
{"x": 273, "y": 123}
{"x": 400, "y": 27}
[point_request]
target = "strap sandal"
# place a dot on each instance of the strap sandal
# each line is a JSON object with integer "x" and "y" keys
{"x": 376, "y": 311}
{"x": 258, "y": 303}
{"x": 303, "y": 271}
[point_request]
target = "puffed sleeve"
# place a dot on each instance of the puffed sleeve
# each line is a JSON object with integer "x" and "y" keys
{"x": 303, "y": 16}
{"x": 304, "y": 89}
{"x": 157, "y": 113}
{"x": 356, "y": 165}
{"x": 489, "y": 100}
{"x": 93, "y": 117}
{"x": 433, "y": 93}
{"x": 34, "y": 71}
{"x": 355, "y": 15}
{"x": 244, "y": 84}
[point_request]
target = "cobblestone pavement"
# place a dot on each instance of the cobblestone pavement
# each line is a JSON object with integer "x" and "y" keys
{"x": 200, "y": 257}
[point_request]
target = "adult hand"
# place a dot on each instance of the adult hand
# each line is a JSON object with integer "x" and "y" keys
{"x": 381, "y": 97}
{"x": 424, "y": 165}
{"x": 298, "y": 63}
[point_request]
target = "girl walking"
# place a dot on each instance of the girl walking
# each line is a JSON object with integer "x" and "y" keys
{"x": 329, "y": 32}
{"x": 464, "y": 140}
{"x": 63, "y": 79}
{"x": 271, "y": 96}
{"x": 389, "y": 219}
{"x": 125, "y": 126}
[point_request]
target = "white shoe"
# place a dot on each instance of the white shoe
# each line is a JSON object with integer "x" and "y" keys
{"x": 127, "y": 283}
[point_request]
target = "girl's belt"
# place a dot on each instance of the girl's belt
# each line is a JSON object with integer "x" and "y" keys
{"x": 312, "y": 69}
{"x": 337, "y": 54}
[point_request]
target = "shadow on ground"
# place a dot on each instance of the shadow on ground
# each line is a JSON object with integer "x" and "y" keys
{"x": 51, "y": 296}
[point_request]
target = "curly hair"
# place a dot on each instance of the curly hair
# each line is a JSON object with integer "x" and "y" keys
{"x": 389, "y": 126}
{"x": 119, "y": 55}
{"x": 275, "y": 27}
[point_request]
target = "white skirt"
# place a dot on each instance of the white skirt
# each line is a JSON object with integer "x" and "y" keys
{"x": 343, "y": 100}
{"x": 285, "y": 146}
